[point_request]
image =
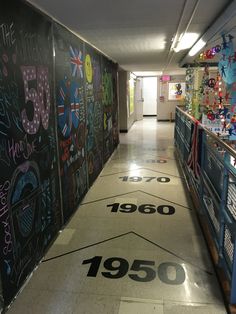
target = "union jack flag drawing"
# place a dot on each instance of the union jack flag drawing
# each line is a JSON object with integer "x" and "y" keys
{"x": 68, "y": 106}
{"x": 76, "y": 62}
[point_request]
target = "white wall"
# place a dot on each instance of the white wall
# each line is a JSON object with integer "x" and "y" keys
{"x": 166, "y": 109}
{"x": 123, "y": 108}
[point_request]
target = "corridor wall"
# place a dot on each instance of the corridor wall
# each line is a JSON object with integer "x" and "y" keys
{"x": 58, "y": 125}
{"x": 125, "y": 117}
{"x": 166, "y": 107}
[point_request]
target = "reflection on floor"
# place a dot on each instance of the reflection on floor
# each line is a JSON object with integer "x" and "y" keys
{"x": 134, "y": 246}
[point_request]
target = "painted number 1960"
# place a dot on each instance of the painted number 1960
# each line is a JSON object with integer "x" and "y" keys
{"x": 143, "y": 209}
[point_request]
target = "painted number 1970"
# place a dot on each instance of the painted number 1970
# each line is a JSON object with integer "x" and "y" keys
{"x": 146, "y": 179}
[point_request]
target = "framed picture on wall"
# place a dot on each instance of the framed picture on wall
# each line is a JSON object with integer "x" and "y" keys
{"x": 176, "y": 91}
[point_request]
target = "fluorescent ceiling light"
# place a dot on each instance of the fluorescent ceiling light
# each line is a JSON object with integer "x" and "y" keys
{"x": 186, "y": 41}
{"x": 148, "y": 73}
{"x": 197, "y": 47}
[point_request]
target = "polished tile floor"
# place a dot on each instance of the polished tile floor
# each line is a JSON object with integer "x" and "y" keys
{"x": 134, "y": 246}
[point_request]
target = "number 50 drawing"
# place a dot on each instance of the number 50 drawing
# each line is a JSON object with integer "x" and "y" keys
{"x": 40, "y": 98}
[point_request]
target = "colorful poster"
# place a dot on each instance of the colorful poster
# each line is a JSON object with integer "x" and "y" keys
{"x": 227, "y": 69}
{"x": 94, "y": 126}
{"x": 71, "y": 117}
{"x": 227, "y": 65}
{"x": 176, "y": 91}
{"x": 30, "y": 214}
{"x": 214, "y": 125}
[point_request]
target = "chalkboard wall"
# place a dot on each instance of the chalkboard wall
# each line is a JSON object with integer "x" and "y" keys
{"x": 58, "y": 125}
{"x": 93, "y": 85}
{"x": 115, "y": 108}
{"x": 107, "y": 101}
{"x": 71, "y": 117}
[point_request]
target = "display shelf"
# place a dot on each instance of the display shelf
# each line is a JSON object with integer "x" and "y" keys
{"x": 207, "y": 164}
{"x": 211, "y": 208}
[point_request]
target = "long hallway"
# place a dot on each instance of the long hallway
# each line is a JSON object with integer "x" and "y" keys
{"x": 134, "y": 246}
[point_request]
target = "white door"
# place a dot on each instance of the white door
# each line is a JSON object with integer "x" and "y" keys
{"x": 150, "y": 96}
{"x": 139, "y": 99}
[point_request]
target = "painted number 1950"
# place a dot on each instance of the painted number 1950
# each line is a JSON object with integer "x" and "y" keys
{"x": 141, "y": 270}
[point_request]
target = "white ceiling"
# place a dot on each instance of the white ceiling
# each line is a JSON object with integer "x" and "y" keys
{"x": 137, "y": 34}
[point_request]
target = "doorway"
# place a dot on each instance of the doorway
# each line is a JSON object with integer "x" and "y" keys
{"x": 150, "y": 96}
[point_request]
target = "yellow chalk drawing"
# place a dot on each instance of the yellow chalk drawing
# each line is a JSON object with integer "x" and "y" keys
{"x": 88, "y": 68}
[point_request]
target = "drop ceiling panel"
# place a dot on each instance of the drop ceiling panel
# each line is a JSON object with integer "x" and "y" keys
{"x": 136, "y": 33}
{"x": 90, "y": 13}
{"x": 208, "y": 10}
